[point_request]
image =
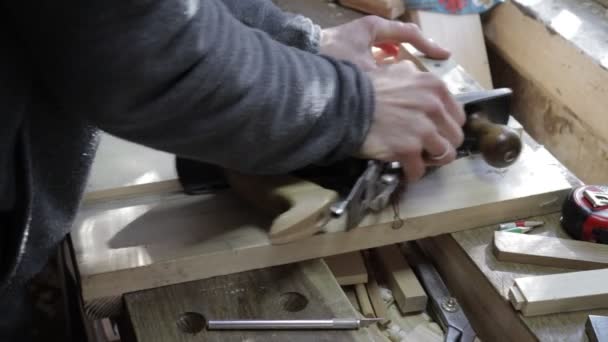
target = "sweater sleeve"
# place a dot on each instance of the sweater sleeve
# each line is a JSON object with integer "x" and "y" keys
{"x": 187, "y": 77}
{"x": 288, "y": 28}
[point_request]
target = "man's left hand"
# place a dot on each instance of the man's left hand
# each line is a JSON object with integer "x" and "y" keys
{"x": 354, "y": 41}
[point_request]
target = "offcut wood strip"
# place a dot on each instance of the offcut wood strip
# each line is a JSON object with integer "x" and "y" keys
{"x": 407, "y": 290}
{"x": 348, "y": 268}
{"x": 549, "y": 251}
{"x": 557, "y": 293}
{"x": 463, "y": 36}
{"x": 363, "y": 299}
{"x": 389, "y": 9}
{"x": 373, "y": 289}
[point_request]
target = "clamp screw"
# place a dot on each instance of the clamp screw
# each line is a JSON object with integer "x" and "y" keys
{"x": 450, "y": 304}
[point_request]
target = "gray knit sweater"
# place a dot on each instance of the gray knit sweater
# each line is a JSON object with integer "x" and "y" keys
{"x": 237, "y": 83}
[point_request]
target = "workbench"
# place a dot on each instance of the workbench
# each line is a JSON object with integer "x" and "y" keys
{"x": 464, "y": 259}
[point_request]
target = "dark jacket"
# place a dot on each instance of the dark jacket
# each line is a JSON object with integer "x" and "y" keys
{"x": 235, "y": 83}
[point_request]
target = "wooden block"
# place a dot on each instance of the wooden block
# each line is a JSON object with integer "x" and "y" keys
{"x": 407, "y": 290}
{"x": 556, "y": 293}
{"x": 348, "y": 268}
{"x": 549, "y": 251}
{"x": 389, "y": 9}
{"x": 299, "y": 291}
{"x": 363, "y": 299}
{"x": 596, "y": 328}
{"x": 463, "y": 36}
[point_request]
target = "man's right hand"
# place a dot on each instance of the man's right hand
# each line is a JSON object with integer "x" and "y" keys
{"x": 416, "y": 120}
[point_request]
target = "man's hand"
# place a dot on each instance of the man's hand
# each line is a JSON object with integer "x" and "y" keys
{"x": 415, "y": 119}
{"x": 354, "y": 41}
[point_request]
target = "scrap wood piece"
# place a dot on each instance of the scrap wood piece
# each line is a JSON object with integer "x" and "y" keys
{"x": 401, "y": 279}
{"x": 363, "y": 299}
{"x": 389, "y": 9}
{"x": 549, "y": 251}
{"x": 375, "y": 294}
{"x": 348, "y": 268}
{"x": 563, "y": 292}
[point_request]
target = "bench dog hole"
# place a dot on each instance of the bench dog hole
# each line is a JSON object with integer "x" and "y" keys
{"x": 293, "y": 301}
{"x": 191, "y": 322}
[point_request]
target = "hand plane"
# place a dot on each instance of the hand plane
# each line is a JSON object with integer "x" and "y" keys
{"x": 303, "y": 201}
{"x": 486, "y": 133}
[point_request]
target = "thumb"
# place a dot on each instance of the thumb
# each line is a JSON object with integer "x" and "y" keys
{"x": 399, "y": 32}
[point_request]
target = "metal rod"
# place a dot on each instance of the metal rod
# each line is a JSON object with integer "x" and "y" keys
{"x": 307, "y": 324}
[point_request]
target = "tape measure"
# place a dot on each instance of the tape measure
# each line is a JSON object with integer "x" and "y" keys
{"x": 585, "y": 213}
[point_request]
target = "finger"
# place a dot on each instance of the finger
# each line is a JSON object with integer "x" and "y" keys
{"x": 414, "y": 168}
{"x": 439, "y": 151}
{"x": 399, "y": 32}
{"x": 454, "y": 108}
{"x": 435, "y": 110}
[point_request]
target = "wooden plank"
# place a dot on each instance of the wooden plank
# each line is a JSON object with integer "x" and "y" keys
{"x": 138, "y": 246}
{"x": 463, "y": 36}
{"x": 142, "y": 246}
{"x": 559, "y": 50}
{"x": 564, "y": 292}
{"x": 348, "y": 268}
{"x": 474, "y": 247}
{"x": 390, "y": 9}
{"x": 363, "y": 299}
{"x": 549, "y": 251}
{"x": 401, "y": 279}
{"x": 302, "y": 291}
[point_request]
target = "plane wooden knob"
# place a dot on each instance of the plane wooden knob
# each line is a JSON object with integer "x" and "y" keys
{"x": 499, "y": 145}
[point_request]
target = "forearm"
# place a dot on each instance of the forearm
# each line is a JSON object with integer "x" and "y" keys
{"x": 290, "y": 29}
{"x": 198, "y": 83}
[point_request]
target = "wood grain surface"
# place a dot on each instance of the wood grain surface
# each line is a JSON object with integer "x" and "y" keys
{"x": 348, "y": 268}
{"x": 300, "y": 291}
